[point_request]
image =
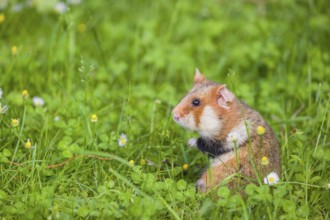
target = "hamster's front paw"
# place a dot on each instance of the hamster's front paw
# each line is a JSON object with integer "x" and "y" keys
{"x": 192, "y": 142}
{"x": 201, "y": 186}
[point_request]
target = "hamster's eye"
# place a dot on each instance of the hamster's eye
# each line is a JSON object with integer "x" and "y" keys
{"x": 196, "y": 102}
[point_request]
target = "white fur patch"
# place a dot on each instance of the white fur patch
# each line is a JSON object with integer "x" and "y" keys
{"x": 188, "y": 122}
{"x": 209, "y": 125}
{"x": 238, "y": 136}
{"x": 223, "y": 158}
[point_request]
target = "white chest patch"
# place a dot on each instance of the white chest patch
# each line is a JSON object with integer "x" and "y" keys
{"x": 238, "y": 136}
{"x": 209, "y": 125}
{"x": 223, "y": 158}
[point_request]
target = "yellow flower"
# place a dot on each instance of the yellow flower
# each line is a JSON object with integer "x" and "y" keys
{"x": 81, "y": 27}
{"x": 14, "y": 50}
{"x": 25, "y": 94}
{"x": 185, "y": 166}
{"x": 2, "y": 18}
{"x": 132, "y": 162}
{"x": 94, "y": 118}
{"x": 14, "y": 122}
{"x": 264, "y": 161}
{"x": 28, "y": 144}
{"x": 143, "y": 162}
{"x": 260, "y": 130}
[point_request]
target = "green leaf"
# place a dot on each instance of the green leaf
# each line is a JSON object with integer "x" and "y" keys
{"x": 3, "y": 158}
{"x": 327, "y": 155}
{"x": 250, "y": 189}
{"x": 83, "y": 211}
{"x": 303, "y": 211}
{"x": 101, "y": 189}
{"x": 3, "y": 195}
{"x": 181, "y": 185}
{"x": 190, "y": 192}
{"x": 315, "y": 179}
{"x": 179, "y": 196}
{"x": 67, "y": 154}
{"x": 300, "y": 177}
{"x": 223, "y": 192}
{"x": 66, "y": 141}
{"x": 222, "y": 202}
{"x": 6, "y": 152}
{"x": 235, "y": 201}
{"x": 159, "y": 186}
{"x": 288, "y": 206}
{"x": 110, "y": 184}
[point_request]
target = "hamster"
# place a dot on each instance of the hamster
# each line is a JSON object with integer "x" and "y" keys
{"x": 224, "y": 124}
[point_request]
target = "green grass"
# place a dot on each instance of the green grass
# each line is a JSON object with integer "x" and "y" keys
{"x": 130, "y": 62}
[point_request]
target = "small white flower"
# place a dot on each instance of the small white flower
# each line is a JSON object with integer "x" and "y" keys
{"x": 38, "y": 101}
{"x": 271, "y": 179}
{"x": 122, "y": 140}
{"x": 233, "y": 136}
{"x": 56, "y": 118}
{"x": 3, "y": 109}
{"x": 60, "y": 7}
{"x": 1, "y": 93}
{"x": 17, "y": 7}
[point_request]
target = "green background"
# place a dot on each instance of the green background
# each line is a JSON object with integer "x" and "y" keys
{"x": 130, "y": 62}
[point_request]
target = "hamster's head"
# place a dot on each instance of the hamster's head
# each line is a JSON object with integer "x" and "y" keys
{"x": 204, "y": 107}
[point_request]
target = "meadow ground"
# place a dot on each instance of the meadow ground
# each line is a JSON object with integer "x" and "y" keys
{"x": 92, "y": 136}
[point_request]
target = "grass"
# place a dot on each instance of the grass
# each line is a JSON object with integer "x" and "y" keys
{"x": 130, "y": 62}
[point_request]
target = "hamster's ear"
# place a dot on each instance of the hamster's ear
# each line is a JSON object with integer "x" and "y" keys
{"x": 224, "y": 96}
{"x": 199, "y": 78}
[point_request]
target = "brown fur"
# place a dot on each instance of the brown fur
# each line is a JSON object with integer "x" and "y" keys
{"x": 236, "y": 111}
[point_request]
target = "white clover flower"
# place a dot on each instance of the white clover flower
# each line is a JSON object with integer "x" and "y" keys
{"x": 271, "y": 179}
{"x": 1, "y": 92}
{"x": 3, "y": 109}
{"x": 17, "y": 7}
{"x": 38, "y": 101}
{"x": 122, "y": 140}
{"x": 233, "y": 136}
{"x": 60, "y": 7}
{"x": 56, "y": 118}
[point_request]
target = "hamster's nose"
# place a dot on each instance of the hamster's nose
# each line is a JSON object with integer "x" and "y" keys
{"x": 176, "y": 117}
